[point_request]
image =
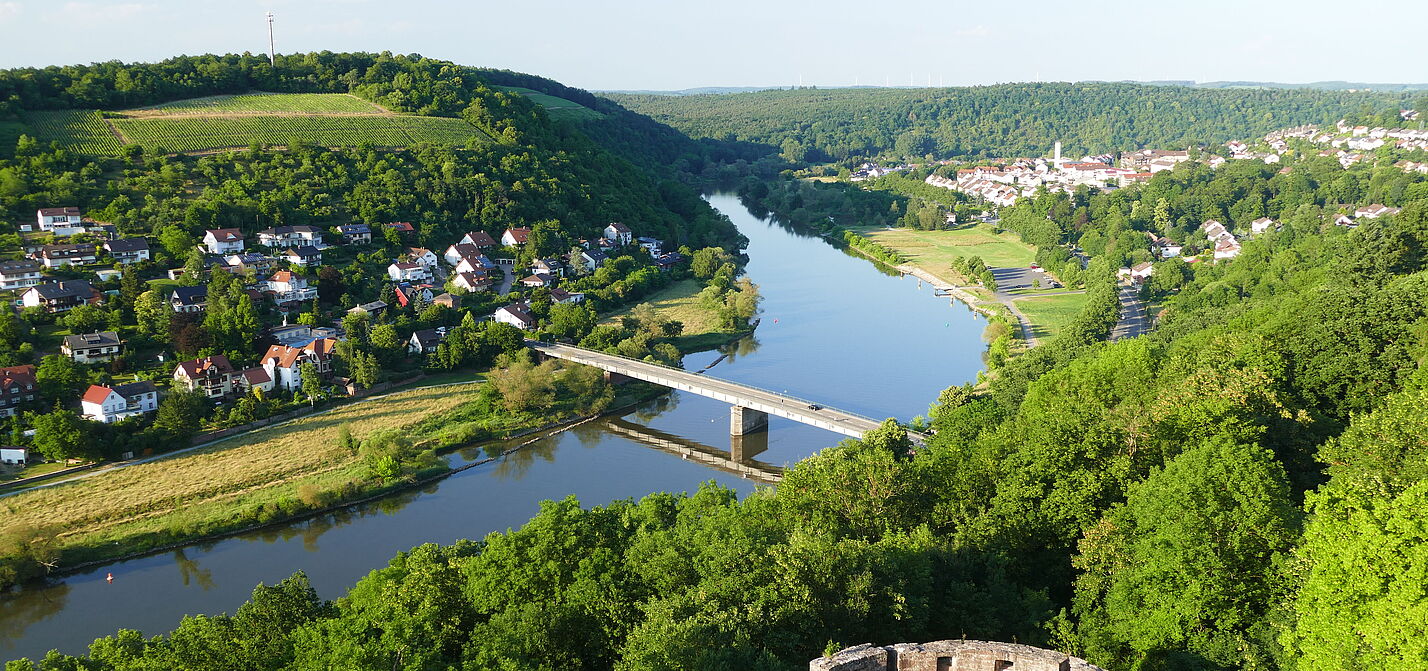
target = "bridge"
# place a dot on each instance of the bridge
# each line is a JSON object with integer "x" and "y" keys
{"x": 738, "y": 460}
{"x": 751, "y": 405}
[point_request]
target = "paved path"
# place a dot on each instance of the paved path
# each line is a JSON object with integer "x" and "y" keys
{"x": 1134, "y": 320}
{"x": 733, "y": 393}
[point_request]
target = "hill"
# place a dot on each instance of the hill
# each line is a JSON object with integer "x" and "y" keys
{"x": 817, "y": 125}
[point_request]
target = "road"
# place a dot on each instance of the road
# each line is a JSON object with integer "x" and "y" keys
{"x": 1134, "y": 320}
{"x": 733, "y": 393}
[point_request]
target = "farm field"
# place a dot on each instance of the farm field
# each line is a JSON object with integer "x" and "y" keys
{"x": 187, "y": 134}
{"x": 262, "y": 104}
{"x": 1049, "y": 314}
{"x": 559, "y": 108}
{"x": 935, "y": 250}
{"x": 81, "y": 131}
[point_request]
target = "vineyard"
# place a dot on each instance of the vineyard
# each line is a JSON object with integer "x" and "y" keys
{"x": 559, "y": 108}
{"x": 262, "y": 104}
{"x": 188, "y": 134}
{"x": 81, "y": 131}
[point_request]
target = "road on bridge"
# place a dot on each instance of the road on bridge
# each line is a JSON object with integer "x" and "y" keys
{"x": 733, "y": 393}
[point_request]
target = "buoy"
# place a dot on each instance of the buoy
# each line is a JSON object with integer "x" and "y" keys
{"x": 109, "y": 577}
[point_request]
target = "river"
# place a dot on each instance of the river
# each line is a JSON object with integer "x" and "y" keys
{"x": 834, "y": 329}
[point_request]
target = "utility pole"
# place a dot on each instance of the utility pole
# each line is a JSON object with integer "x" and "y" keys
{"x": 272, "y": 55}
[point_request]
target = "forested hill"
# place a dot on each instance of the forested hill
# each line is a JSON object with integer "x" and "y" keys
{"x": 529, "y": 168}
{"x": 990, "y": 121}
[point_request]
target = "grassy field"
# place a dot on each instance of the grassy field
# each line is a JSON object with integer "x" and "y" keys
{"x": 187, "y": 134}
{"x": 233, "y": 480}
{"x": 680, "y": 301}
{"x": 262, "y": 104}
{"x": 935, "y": 250}
{"x": 1049, "y": 314}
{"x": 559, "y": 108}
{"x": 81, "y": 131}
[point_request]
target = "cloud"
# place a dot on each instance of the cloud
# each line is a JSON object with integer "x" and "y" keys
{"x": 95, "y": 11}
{"x": 10, "y": 10}
{"x": 977, "y": 31}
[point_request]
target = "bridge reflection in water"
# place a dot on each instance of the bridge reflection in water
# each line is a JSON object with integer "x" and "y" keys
{"x": 738, "y": 460}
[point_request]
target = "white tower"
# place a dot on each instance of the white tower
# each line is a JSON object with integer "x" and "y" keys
{"x": 1056, "y": 155}
{"x": 272, "y": 56}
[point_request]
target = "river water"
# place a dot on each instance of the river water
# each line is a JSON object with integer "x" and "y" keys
{"x": 835, "y": 329}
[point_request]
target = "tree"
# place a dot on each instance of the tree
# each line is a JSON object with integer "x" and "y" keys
{"x": 59, "y": 377}
{"x": 311, "y": 381}
{"x": 571, "y": 320}
{"x": 707, "y": 261}
{"x": 153, "y": 314}
{"x": 61, "y": 435}
{"x": 384, "y": 338}
{"x": 365, "y": 369}
{"x": 521, "y": 384}
{"x": 192, "y": 269}
{"x": 179, "y": 415}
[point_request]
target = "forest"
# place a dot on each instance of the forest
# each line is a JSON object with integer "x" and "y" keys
{"x": 828, "y": 125}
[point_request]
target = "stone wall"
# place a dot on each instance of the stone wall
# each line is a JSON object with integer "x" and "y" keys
{"x": 950, "y": 656}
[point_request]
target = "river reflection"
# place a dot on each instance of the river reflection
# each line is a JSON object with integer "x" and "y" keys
{"x": 833, "y": 329}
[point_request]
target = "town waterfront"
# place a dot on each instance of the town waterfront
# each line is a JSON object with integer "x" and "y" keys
{"x": 834, "y": 329}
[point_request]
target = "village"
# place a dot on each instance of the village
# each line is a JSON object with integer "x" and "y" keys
{"x": 77, "y": 273}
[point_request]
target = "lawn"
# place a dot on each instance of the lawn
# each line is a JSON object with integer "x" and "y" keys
{"x": 233, "y": 480}
{"x": 1049, "y": 314}
{"x": 935, "y": 250}
{"x": 680, "y": 301}
{"x": 263, "y": 103}
{"x": 559, "y": 108}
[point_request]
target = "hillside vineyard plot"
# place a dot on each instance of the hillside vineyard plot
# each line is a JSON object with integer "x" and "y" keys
{"x": 204, "y": 133}
{"x": 263, "y": 104}
{"x": 82, "y": 131}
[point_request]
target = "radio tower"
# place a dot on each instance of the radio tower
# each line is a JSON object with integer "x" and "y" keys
{"x": 272, "y": 56}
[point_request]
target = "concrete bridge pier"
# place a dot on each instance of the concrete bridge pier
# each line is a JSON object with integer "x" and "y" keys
{"x": 744, "y": 448}
{"x": 745, "y": 420}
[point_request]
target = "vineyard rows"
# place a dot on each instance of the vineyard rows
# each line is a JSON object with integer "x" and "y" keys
{"x": 81, "y": 131}
{"x": 263, "y": 103}
{"x": 199, "y": 134}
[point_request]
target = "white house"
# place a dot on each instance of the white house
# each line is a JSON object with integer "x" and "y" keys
{"x": 1170, "y": 250}
{"x": 480, "y": 239}
{"x": 515, "y": 237}
{"x": 550, "y": 267}
{"x": 618, "y": 233}
{"x": 558, "y": 295}
{"x": 424, "y": 341}
{"x": 59, "y": 256}
{"x": 517, "y": 315}
{"x": 1140, "y": 272}
{"x": 111, "y": 404}
{"x": 1375, "y": 211}
{"x": 11, "y": 455}
{"x": 189, "y": 299}
{"x": 223, "y": 240}
{"x": 460, "y": 250}
{"x": 60, "y": 221}
{"x": 538, "y": 280}
{"x": 287, "y": 286}
{"x": 472, "y": 281}
{"x": 128, "y": 250}
{"x": 60, "y": 296}
{"x": 290, "y": 236}
{"x": 211, "y": 375}
{"x": 283, "y": 364}
{"x": 407, "y": 271}
{"x": 651, "y": 245}
{"x": 1227, "y": 248}
{"x": 304, "y": 256}
{"x": 19, "y": 274}
{"x": 592, "y": 259}
{"x": 423, "y": 256}
{"x": 92, "y": 347}
{"x": 1262, "y": 224}
{"x": 355, "y": 234}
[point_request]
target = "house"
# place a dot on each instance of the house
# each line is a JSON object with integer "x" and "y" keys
{"x": 447, "y": 300}
{"x": 17, "y": 387}
{"x": 1262, "y": 224}
{"x": 239, "y": 263}
{"x": 537, "y": 280}
{"x": 189, "y": 299}
{"x": 305, "y": 256}
{"x": 460, "y": 250}
{"x": 667, "y": 262}
{"x": 412, "y": 293}
{"x": 355, "y": 234}
{"x": 1214, "y": 229}
{"x": 402, "y": 227}
{"x": 252, "y": 378}
{"x": 111, "y": 404}
{"x": 1346, "y": 221}
{"x": 618, "y": 233}
{"x": 1170, "y": 250}
{"x": 283, "y": 364}
{"x": 426, "y": 340}
{"x": 558, "y": 295}
{"x": 128, "y": 250}
{"x": 213, "y": 376}
{"x": 478, "y": 239}
{"x": 60, "y": 296}
{"x": 515, "y": 237}
{"x": 1227, "y": 248}
{"x": 593, "y": 259}
{"x": 223, "y": 240}
{"x": 550, "y": 267}
{"x": 290, "y": 236}
{"x": 406, "y": 271}
{"x": 472, "y": 281}
{"x": 12, "y": 455}
{"x": 92, "y": 347}
{"x": 19, "y": 274}
{"x": 478, "y": 265}
{"x": 423, "y": 256}
{"x": 1140, "y": 272}
{"x": 1375, "y": 211}
{"x": 297, "y": 335}
{"x": 374, "y": 308}
{"x": 60, "y": 221}
{"x": 650, "y": 245}
{"x": 287, "y": 286}
{"x": 517, "y": 315}
{"x": 59, "y": 256}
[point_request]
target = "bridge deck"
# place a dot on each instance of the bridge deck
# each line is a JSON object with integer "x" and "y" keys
{"x": 733, "y": 393}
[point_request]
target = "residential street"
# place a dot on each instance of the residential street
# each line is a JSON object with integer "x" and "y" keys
{"x": 1134, "y": 320}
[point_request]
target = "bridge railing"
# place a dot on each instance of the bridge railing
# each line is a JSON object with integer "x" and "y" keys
{"x": 536, "y": 344}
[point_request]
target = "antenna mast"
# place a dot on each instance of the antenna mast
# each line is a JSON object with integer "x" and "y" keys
{"x": 272, "y": 56}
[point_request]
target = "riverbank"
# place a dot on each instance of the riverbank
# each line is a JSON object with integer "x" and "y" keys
{"x": 276, "y": 474}
{"x": 680, "y": 302}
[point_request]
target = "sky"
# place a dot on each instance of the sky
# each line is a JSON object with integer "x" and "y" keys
{"x": 664, "y": 45}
